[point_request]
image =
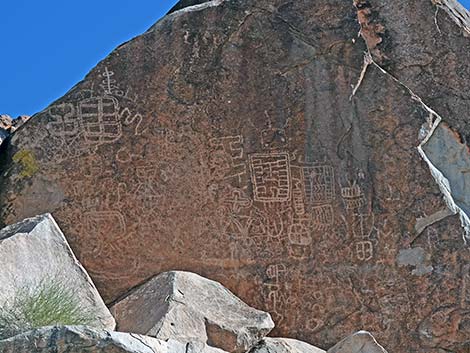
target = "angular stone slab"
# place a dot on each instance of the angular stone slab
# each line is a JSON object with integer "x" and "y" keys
{"x": 187, "y": 307}
{"x": 360, "y": 342}
{"x": 284, "y": 345}
{"x": 34, "y": 251}
{"x": 81, "y": 339}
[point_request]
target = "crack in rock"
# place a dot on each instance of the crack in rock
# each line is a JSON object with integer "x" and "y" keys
{"x": 449, "y": 161}
{"x": 444, "y": 144}
{"x": 456, "y": 11}
{"x": 424, "y": 222}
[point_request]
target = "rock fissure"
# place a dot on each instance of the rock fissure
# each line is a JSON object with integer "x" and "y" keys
{"x": 432, "y": 124}
{"x": 141, "y": 341}
{"x": 456, "y": 12}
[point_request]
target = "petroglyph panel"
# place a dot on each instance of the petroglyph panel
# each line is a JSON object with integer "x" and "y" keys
{"x": 230, "y": 152}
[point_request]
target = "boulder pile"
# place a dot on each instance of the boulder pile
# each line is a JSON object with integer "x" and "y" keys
{"x": 173, "y": 312}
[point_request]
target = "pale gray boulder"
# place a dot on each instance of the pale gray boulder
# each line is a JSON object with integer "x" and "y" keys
{"x": 284, "y": 345}
{"x": 359, "y": 342}
{"x": 188, "y": 307}
{"x": 34, "y": 251}
{"x": 81, "y": 339}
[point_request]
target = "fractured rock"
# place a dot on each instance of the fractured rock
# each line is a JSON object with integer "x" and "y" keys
{"x": 5, "y": 125}
{"x": 360, "y": 342}
{"x": 34, "y": 252}
{"x": 187, "y": 307}
{"x": 3, "y": 135}
{"x": 284, "y": 345}
{"x": 6, "y": 122}
{"x": 81, "y": 339}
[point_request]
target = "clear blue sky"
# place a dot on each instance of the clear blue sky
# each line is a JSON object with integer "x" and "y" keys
{"x": 47, "y": 46}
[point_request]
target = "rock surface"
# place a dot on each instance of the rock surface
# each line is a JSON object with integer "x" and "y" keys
{"x": 34, "y": 251}
{"x": 187, "y": 307}
{"x": 360, "y": 342}
{"x": 5, "y": 122}
{"x": 284, "y": 345}
{"x": 3, "y": 136}
{"x": 80, "y": 339}
{"x": 8, "y": 126}
{"x": 254, "y": 143}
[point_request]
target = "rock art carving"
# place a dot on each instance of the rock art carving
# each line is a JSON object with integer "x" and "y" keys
{"x": 272, "y": 148}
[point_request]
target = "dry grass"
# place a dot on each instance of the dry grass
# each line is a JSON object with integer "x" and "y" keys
{"x": 48, "y": 303}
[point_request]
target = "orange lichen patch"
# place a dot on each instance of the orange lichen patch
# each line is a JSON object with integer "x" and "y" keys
{"x": 371, "y": 31}
{"x": 458, "y": 137}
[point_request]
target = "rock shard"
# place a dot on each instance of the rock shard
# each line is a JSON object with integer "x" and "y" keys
{"x": 34, "y": 251}
{"x": 360, "y": 342}
{"x": 81, "y": 339}
{"x": 449, "y": 160}
{"x": 284, "y": 345}
{"x": 187, "y": 307}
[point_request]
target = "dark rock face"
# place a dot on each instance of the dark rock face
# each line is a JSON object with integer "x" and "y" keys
{"x": 254, "y": 142}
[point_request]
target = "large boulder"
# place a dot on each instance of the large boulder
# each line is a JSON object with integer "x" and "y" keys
{"x": 284, "y": 345}
{"x": 35, "y": 254}
{"x": 272, "y": 144}
{"x": 81, "y": 339}
{"x": 188, "y": 307}
{"x": 359, "y": 342}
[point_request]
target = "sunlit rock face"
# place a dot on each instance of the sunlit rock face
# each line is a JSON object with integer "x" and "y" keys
{"x": 255, "y": 143}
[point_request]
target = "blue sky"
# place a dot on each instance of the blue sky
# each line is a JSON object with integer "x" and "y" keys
{"x": 47, "y": 46}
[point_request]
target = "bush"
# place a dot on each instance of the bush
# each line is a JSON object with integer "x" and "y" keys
{"x": 48, "y": 303}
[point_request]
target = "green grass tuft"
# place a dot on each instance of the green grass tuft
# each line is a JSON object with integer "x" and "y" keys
{"x": 49, "y": 303}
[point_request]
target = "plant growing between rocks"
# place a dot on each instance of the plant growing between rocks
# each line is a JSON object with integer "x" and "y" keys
{"x": 50, "y": 302}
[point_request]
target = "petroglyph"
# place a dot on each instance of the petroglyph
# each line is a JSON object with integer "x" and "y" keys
{"x": 322, "y": 217}
{"x": 273, "y": 138}
{"x": 364, "y": 250}
{"x": 147, "y": 188}
{"x": 353, "y": 196}
{"x": 276, "y": 300}
{"x": 227, "y": 159}
{"x": 128, "y": 118}
{"x": 100, "y": 225}
{"x": 111, "y": 87}
{"x": 270, "y": 175}
{"x": 298, "y": 190}
{"x": 319, "y": 184}
{"x": 300, "y": 239}
{"x": 100, "y": 121}
{"x": 63, "y": 120}
{"x": 237, "y": 201}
